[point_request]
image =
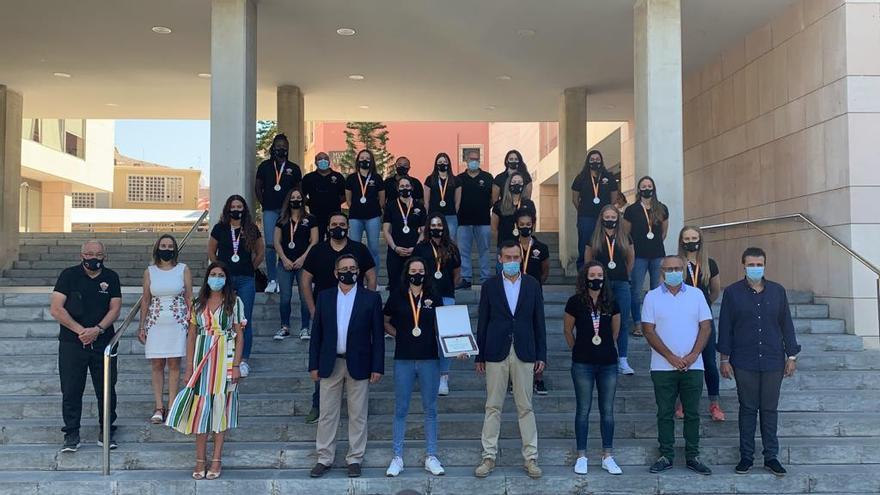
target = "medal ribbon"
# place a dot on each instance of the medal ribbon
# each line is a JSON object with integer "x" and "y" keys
{"x": 443, "y": 186}
{"x": 437, "y": 260}
{"x": 236, "y": 241}
{"x": 278, "y": 173}
{"x": 611, "y": 242}
{"x": 596, "y": 317}
{"x": 402, "y": 214}
{"x": 694, "y": 273}
{"x": 595, "y": 186}
{"x": 364, "y": 184}
{"x": 647, "y": 218}
{"x": 525, "y": 255}
{"x": 416, "y": 306}
{"x": 294, "y": 224}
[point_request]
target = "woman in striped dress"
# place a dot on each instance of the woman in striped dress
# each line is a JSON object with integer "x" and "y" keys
{"x": 209, "y": 402}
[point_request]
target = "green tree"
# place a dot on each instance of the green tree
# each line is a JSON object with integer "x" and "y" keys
{"x": 266, "y": 130}
{"x": 366, "y": 135}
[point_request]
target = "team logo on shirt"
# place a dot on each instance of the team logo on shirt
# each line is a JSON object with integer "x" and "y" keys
{"x": 427, "y": 303}
{"x": 416, "y": 210}
{"x": 333, "y": 179}
{"x": 536, "y": 253}
{"x": 288, "y": 171}
{"x": 482, "y": 182}
{"x": 103, "y": 287}
{"x": 305, "y": 222}
{"x": 604, "y": 180}
{"x": 371, "y": 182}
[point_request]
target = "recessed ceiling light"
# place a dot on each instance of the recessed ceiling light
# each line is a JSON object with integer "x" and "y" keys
{"x": 504, "y": 77}
{"x": 161, "y": 30}
{"x": 356, "y": 77}
{"x": 111, "y": 104}
{"x": 490, "y": 107}
{"x": 526, "y": 33}
{"x": 64, "y": 75}
{"x": 364, "y": 107}
{"x": 204, "y": 75}
{"x": 346, "y": 31}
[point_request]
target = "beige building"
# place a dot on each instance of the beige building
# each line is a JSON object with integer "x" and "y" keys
{"x": 144, "y": 185}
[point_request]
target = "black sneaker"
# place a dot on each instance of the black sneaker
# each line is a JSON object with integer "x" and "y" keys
{"x": 113, "y": 443}
{"x": 540, "y": 388}
{"x": 71, "y": 442}
{"x": 697, "y": 466}
{"x": 743, "y": 467}
{"x": 662, "y": 464}
{"x": 464, "y": 284}
{"x": 774, "y": 466}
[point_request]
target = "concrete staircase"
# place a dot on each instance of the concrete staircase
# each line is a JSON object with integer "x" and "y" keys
{"x": 830, "y": 434}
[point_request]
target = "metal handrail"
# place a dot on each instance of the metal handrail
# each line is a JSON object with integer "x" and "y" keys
{"x": 834, "y": 241}
{"x": 109, "y": 354}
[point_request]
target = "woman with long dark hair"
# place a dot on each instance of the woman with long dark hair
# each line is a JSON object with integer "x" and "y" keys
{"x": 235, "y": 241}
{"x": 593, "y": 188}
{"x": 591, "y": 325}
{"x": 504, "y": 210}
{"x": 402, "y": 227}
{"x": 365, "y": 198}
{"x": 513, "y": 162}
{"x": 440, "y": 189}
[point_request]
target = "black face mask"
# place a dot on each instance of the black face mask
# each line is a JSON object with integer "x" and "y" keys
{"x": 436, "y": 233}
{"x": 609, "y": 224}
{"x": 93, "y": 264}
{"x": 279, "y": 153}
{"x": 236, "y": 214}
{"x": 338, "y": 233}
{"x": 596, "y": 284}
{"x": 595, "y": 165}
{"x": 443, "y": 167}
{"x": 691, "y": 247}
{"x": 405, "y": 193}
{"x": 417, "y": 279}
{"x": 296, "y": 204}
{"x": 646, "y": 193}
{"x": 364, "y": 164}
{"x": 516, "y": 188}
{"x": 513, "y": 165}
{"x": 402, "y": 171}
{"x": 166, "y": 254}
{"x": 525, "y": 231}
{"x": 346, "y": 278}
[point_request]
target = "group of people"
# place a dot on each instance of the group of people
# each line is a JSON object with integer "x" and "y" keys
{"x": 429, "y": 231}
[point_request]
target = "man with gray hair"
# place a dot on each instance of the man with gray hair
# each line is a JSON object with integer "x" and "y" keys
{"x": 85, "y": 301}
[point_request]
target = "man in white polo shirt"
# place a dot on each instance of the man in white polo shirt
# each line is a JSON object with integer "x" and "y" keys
{"x": 676, "y": 322}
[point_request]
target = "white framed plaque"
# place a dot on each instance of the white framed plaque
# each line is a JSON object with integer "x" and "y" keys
{"x": 454, "y": 331}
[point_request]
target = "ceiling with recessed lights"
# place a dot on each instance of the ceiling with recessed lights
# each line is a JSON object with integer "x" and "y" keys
{"x": 500, "y": 60}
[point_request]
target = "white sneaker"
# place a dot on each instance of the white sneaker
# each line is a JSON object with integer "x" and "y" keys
{"x": 623, "y": 367}
{"x": 443, "y": 390}
{"x": 433, "y": 466}
{"x": 243, "y": 369}
{"x": 389, "y": 336}
{"x": 395, "y": 467}
{"x": 305, "y": 334}
{"x": 580, "y": 467}
{"x": 271, "y": 287}
{"x": 608, "y": 464}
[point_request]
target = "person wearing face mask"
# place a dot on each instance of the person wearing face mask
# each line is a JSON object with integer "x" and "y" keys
{"x": 235, "y": 241}
{"x": 323, "y": 190}
{"x": 365, "y": 198}
{"x": 512, "y": 339}
{"x": 440, "y": 191}
{"x": 347, "y": 350}
{"x": 759, "y": 347}
{"x": 401, "y": 170}
{"x": 504, "y": 210}
{"x": 165, "y": 312}
{"x": 646, "y": 222}
{"x": 318, "y": 275}
{"x": 702, "y": 273}
{"x": 275, "y": 177}
{"x": 402, "y": 227}
{"x": 591, "y": 325}
{"x": 677, "y": 324}
{"x": 535, "y": 262}
{"x": 443, "y": 265}
{"x": 611, "y": 247}
{"x": 409, "y": 318}
{"x": 513, "y": 162}
{"x": 208, "y": 406}
{"x": 592, "y": 189}
{"x": 296, "y": 233}
{"x": 473, "y": 202}
{"x": 85, "y": 302}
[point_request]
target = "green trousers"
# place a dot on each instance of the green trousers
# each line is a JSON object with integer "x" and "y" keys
{"x": 671, "y": 385}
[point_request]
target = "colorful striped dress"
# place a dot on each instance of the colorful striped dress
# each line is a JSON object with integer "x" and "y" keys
{"x": 209, "y": 402}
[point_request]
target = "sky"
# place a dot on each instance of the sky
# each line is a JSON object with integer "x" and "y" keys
{"x": 175, "y": 143}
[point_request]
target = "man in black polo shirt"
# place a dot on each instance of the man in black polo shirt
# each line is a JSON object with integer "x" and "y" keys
{"x": 86, "y": 301}
{"x": 401, "y": 169}
{"x": 473, "y": 201}
{"x": 323, "y": 190}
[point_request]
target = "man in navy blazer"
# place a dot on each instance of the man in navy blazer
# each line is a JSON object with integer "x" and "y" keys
{"x": 513, "y": 346}
{"x": 347, "y": 349}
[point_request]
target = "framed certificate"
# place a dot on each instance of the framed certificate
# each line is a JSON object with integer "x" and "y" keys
{"x": 454, "y": 331}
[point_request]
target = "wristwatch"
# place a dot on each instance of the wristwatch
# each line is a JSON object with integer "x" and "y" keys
{"x": 100, "y": 329}
{"x": 792, "y": 358}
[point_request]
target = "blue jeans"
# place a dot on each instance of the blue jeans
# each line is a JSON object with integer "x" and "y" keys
{"x": 604, "y": 377}
{"x": 406, "y": 372}
{"x": 452, "y": 223}
{"x": 641, "y": 268}
{"x": 445, "y": 362}
{"x": 285, "y": 285}
{"x": 622, "y": 295}
{"x": 270, "y": 218}
{"x": 467, "y": 235}
{"x": 372, "y": 226}
{"x": 585, "y": 226}
{"x": 246, "y": 289}
{"x": 711, "y": 374}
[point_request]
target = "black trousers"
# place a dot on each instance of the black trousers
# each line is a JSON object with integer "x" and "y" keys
{"x": 758, "y": 391}
{"x": 394, "y": 265}
{"x": 74, "y": 361}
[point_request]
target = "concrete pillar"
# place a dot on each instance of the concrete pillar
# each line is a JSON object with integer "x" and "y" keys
{"x": 56, "y": 203}
{"x": 233, "y": 101}
{"x": 10, "y": 174}
{"x": 658, "y": 105}
{"x": 291, "y": 121}
{"x": 572, "y": 151}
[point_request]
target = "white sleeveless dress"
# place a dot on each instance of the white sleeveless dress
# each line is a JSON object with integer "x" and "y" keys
{"x": 167, "y": 319}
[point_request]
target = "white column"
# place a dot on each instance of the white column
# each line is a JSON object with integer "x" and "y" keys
{"x": 572, "y": 151}
{"x": 291, "y": 121}
{"x": 658, "y": 105}
{"x": 233, "y": 100}
{"x": 10, "y": 174}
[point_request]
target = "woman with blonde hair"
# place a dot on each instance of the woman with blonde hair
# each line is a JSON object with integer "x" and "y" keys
{"x": 504, "y": 210}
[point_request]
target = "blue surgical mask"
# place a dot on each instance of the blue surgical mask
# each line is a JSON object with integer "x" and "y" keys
{"x": 674, "y": 279}
{"x": 216, "y": 283}
{"x": 510, "y": 268}
{"x": 323, "y": 164}
{"x": 473, "y": 164}
{"x": 755, "y": 273}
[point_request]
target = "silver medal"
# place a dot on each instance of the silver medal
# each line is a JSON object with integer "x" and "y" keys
{"x": 597, "y": 340}
{"x": 363, "y": 199}
{"x": 596, "y": 201}
{"x": 438, "y": 275}
{"x": 291, "y": 245}
{"x": 277, "y": 187}
{"x": 405, "y": 229}
{"x": 650, "y": 235}
{"x": 416, "y": 331}
{"x": 235, "y": 258}
{"x": 612, "y": 265}
{"x": 442, "y": 203}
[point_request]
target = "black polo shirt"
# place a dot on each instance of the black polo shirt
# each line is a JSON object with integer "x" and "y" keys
{"x": 434, "y": 184}
{"x": 291, "y": 176}
{"x": 88, "y": 301}
{"x": 644, "y": 247}
{"x": 501, "y": 178}
{"x": 406, "y": 345}
{"x": 507, "y": 222}
{"x": 415, "y": 219}
{"x": 600, "y": 254}
{"x": 370, "y": 209}
{"x": 704, "y": 288}
{"x": 323, "y": 193}
{"x": 301, "y": 236}
{"x": 538, "y": 252}
{"x": 476, "y": 198}
{"x": 583, "y": 184}
{"x": 245, "y": 264}
{"x": 584, "y": 351}
{"x": 445, "y": 285}
{"x": 321, "y": 262}
{"x": 391, "y": 188}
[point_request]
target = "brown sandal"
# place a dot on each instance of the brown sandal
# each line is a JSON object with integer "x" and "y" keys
{"x": 158, "y": 416}
{"x": 637, "y": 331}
{"x": 213, "y": 475}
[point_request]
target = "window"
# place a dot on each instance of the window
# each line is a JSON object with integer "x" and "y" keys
{"x": 155, "y": 189}
{"x": 464, "y": 149}
{"x": 74, "y": 134}
{"x": 83, "y": 199}
{"x": 67, "y": 135}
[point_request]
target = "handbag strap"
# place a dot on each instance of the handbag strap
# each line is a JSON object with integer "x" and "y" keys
{"x": 198, "y": 371}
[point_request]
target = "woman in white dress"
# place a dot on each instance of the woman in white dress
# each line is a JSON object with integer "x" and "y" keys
{"x": 165, "y": 313}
